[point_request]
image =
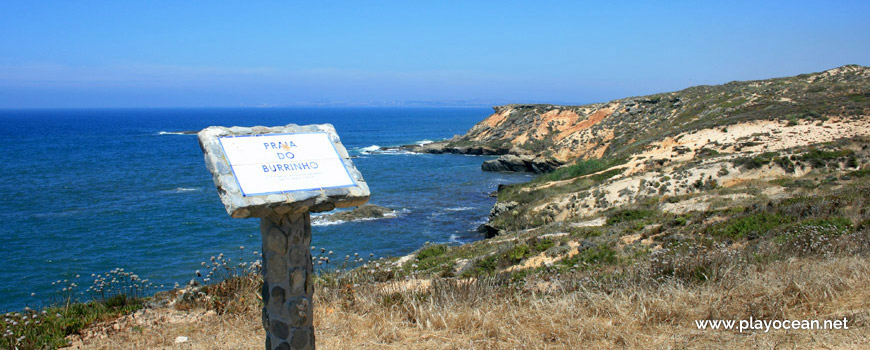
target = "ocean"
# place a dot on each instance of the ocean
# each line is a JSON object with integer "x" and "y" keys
{"x": 86, "y": 191}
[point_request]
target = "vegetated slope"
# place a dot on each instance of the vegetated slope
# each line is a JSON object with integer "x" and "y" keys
{"x": 672, "y": 147}
{"x": 613, "y": 129}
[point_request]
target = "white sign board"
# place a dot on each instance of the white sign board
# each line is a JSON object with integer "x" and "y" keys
{"x": 279, "y": 163}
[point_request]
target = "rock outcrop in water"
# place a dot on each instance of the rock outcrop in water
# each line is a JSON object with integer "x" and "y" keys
{"x": 363, "y": 212}
{"x": 522, "y": 163}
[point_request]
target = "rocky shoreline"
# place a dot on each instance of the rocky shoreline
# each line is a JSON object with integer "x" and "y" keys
{"x": 509, "y": 160}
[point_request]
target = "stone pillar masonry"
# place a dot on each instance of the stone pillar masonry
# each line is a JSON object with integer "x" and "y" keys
{"x": 288, "y": 285}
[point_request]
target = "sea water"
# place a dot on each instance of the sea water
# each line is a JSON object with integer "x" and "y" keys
{"x": 85, "y": 191}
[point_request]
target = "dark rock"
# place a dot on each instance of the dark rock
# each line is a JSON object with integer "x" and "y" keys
{"x": 501, "y": 207}
{"x": 367, "y": 211}
{"x": 488, "y": 230}
{"x": 445, "y": 147}
{"x": 523, "y": 163}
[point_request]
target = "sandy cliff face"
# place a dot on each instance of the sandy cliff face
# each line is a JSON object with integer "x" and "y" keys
{"x": 618, "y": 128}
{"x": 560, "y": 132}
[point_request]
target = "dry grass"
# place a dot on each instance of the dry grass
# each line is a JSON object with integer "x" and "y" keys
{"x": 568, "y": 311}
{"x": 806, "y": 257}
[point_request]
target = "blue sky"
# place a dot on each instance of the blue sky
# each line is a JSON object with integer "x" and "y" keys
{"x": 282, "y": 53}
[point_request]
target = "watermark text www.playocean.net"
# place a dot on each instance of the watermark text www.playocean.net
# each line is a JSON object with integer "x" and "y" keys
{"x": 767, "y": 325}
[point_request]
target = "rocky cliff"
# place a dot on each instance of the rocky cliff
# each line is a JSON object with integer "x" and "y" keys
{"x": 563, "y": 134}
{"x": 672, "y": 148}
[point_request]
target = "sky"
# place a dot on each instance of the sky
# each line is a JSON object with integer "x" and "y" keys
{"x": 93, "y": 54}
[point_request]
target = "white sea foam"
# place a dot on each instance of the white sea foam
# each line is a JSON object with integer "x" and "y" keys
{"x": 403, "y": 153}
{"x": 458, "y": 208}
{"x": 378, "y": 150}
{"x": 370, "y": 149}
{"x": 182, "y": 190}
{"x": 424, "y": 142}
{"x": 393, "y": 152}
{"x": 325, "y": 222}
{"x": 174, "y": 133}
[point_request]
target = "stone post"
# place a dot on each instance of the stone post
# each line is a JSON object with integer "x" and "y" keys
{"x": 287, "y": 281}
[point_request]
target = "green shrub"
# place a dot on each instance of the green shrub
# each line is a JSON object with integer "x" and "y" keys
{"x": 518, "y": 253}
{"x": 56, "y": 323}
{"x": 483, "y": 266}
{"x": 544, "y": 244}
{"x": 820, "y": 158}
{"x": 606, "y": 175}
{"x": 755, "y": 162}
{"x": 601, "y": 254}
{"x": 629, "y": 215}
{"x": 431, "y": 250}
{"x": 835, "y": 226}
{"x": 580, "y": 168}
{"x": 860, "y": 173}
{"x": 751, "y": 226}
